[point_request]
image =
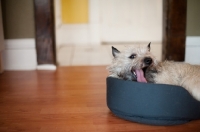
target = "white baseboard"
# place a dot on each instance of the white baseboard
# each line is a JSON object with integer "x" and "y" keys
{"x": 20, "y": 43}
{"x": 193, "y": 41}
{"x": 19, "y": 54}
{"x": 192, "y": 52}
{"x": 46, "y": 67}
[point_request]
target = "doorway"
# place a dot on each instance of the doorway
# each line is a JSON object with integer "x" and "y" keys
{"x": 110, "y": 23}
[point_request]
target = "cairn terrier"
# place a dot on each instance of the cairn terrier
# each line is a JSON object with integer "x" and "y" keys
{"x": 131, "y": 63}
{"x": 138, "y": 64}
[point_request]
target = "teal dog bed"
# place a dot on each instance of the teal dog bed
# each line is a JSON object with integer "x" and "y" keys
{"x": 154, "y": 104}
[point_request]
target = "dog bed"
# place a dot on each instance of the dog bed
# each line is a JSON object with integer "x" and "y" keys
{"x": 154, "y": 104}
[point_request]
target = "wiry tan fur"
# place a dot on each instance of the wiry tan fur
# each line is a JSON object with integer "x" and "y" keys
{"x": 122, "y": 65}
{"x": 167, "y": 72}
{"x": 176, "y": 73}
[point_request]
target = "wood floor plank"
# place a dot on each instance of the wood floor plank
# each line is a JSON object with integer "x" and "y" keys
{"x": 69, "y": 99}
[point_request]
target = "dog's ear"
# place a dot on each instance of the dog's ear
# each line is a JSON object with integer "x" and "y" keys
{"x": 149, "y": 46}
{"x": 115, "y": 51}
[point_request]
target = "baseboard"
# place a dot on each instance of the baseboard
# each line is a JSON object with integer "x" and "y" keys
{"x": 19, "y": 54}
{"x": 192, "y": 49}
{"x": 20, "y": 43}
{"x": 46, "y": 67}
{"x": 193, "y": 41}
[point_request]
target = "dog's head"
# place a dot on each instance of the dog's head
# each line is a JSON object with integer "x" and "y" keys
{"x": 131, "y": 63}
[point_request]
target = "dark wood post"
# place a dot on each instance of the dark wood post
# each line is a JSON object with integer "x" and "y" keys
{"x": 45, "y": 34}
{"x": 174, "y": 29}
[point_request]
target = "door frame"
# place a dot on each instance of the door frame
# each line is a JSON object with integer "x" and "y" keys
{"x": 45, "y": 31}
{"x": 174, "y": 29}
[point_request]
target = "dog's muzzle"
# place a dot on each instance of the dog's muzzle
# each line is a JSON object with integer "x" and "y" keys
{"x": 139, "y": 74}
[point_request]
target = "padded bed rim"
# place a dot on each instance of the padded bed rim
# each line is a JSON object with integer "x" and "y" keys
{"x": 133, "y": 101}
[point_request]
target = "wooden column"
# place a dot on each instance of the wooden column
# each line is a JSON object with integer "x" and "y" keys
{"x": 174, "y": 29}
{"x": 45, "y": 38}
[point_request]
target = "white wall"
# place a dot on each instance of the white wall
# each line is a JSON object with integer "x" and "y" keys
{"x": 113, "y": 21}
{"x": 131, "y": 20}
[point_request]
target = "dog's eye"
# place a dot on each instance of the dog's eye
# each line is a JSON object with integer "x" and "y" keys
{"x": 132, "y": 56}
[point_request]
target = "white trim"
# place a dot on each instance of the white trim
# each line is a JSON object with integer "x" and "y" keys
{"x": 20, "y": 43}
{"x": 193, "y": 41}
{"x": 46, "y": 67}
{"x": 192, "y": 50}
{"x": 19, "y": 54}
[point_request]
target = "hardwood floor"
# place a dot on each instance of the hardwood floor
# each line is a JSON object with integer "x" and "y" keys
{"x": 69, "y": 99}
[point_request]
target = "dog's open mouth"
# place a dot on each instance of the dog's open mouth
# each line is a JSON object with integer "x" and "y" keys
{"x": 139, "y": 75}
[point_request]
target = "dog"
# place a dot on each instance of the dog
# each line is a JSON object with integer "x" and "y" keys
{"x": 139, "y": 64}
{"x": 176, "y": 73}
{"x": 131, "y": 63}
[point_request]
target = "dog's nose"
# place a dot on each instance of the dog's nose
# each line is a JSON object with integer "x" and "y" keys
{"x": 147, "y": 60}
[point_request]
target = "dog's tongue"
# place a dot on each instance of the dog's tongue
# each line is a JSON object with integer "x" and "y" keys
{"x": 140, "y": 76}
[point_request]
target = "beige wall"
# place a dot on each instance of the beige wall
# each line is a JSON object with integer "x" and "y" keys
{"x": 18, "y": 19}
{"x": 193, "y": 17}
{"x": 1, "y": 40}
